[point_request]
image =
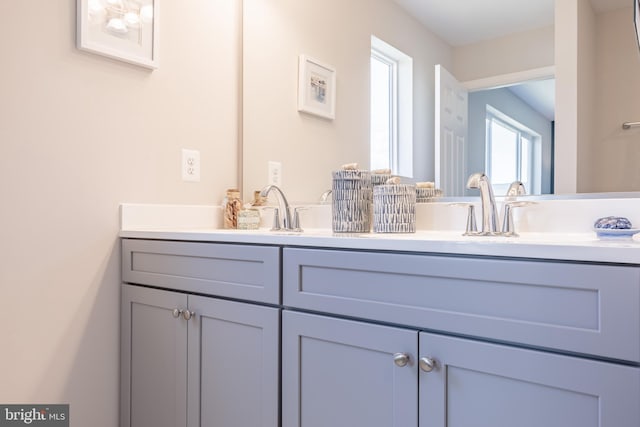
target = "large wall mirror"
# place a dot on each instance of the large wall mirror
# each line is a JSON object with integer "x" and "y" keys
{"x": 593, "y": 92}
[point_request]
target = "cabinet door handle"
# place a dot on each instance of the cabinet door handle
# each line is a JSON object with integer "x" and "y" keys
{"x": 188, "y": 314}
{"x": 427, "y": 364}
{"x": 401, "y": 359}
{"x": 176, "y": 312}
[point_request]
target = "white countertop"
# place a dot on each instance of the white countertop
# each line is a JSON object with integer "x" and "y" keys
{"x": 555, "y": 231}
{"x": 574, "y": 247}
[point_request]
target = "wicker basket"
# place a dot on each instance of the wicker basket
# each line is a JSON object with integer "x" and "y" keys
{"x": 424, "y": 195}
{"x": 394, "y": 208}
{"x": 352, "y": 193}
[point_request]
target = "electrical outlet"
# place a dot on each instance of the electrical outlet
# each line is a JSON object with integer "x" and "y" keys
{"x": 275, "y": 174}
{"x": 190, "y": 165}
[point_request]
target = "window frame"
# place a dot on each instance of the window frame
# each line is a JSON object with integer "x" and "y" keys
{"x": 392, "y": 87}
{"x": 495, "y": 116}
{"x": 400, "y": 90}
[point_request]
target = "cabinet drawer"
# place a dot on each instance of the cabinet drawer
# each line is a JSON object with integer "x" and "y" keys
{"x": 234, "y": 271}
{"x": 582, "y": 308}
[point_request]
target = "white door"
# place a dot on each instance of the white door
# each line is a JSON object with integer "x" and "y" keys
{"x": 451, "y": 133}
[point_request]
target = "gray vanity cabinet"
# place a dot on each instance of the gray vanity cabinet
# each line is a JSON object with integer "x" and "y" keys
{"x": 244, "y": 272}
{"x": 193, "y": 360}
{"x": 342, "y": 373}
{"x": 349, "y": 373}
{"x": 497, "y": 341}
{"x": 154, "y": 359}
{"x": 482, "y": 384}
{"x": 580, "y": 308}
{"x": 233, "y": 364}
{"x": 375, "y": 339}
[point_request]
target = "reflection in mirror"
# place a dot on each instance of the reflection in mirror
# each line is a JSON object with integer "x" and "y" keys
{"x": 512, "y": 130}
{"x": 391, "y": 104}
{"x": 339, "y": 33}
{"x": 608, "y": 156}
{"x": 505, "y": 131}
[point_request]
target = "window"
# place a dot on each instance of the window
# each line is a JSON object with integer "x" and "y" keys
{"x": 384, "y": 135}
{"x": 391, "y": 119}
{"x": 513, "y": 151}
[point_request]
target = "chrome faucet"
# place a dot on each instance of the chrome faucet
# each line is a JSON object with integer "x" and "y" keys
{"x": 508, "y": 224}
{"x": 516, "y": 189}
{"x": 488, "y": 201}
{"x": 326, "y": 197}
{"x": 283, "y": 204}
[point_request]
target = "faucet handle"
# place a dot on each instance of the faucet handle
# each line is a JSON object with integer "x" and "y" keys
{"x": 472, "y": 227}
{"x": 296, "y": 219}
{"x": 276, "y": 218}
{"x": 508, "y": 224}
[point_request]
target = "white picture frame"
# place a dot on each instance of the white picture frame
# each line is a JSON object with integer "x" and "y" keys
{"x": 316, "y": 88}
{"x": 126, "y": 30}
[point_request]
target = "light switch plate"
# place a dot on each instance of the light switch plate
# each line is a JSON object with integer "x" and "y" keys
{"x": 275, "y": 173}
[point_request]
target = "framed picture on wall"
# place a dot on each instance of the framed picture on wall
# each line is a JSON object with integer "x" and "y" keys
{"x": 316, "y": 88}
{"x": 126, "y": 30}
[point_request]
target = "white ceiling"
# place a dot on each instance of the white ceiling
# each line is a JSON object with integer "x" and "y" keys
{"x": 539, "y": 94}
{"x": 462, "y": 22}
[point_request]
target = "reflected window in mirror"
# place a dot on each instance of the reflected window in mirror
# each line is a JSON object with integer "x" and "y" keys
{"x": 384, "y": 141}
{"x": 391, "y": 99}
{"x": 513, "y": 153}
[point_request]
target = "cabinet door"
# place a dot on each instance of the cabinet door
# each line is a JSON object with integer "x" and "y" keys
{"x": 154, "y": 358}
{"x": 342, "y": 373}
{"x": 233, "y": 364}
{"x": 488, "y": 385}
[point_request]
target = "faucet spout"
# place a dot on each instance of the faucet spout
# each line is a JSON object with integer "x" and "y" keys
{"x": 325, "y": 197}
{"x": 282, "y": 202}
{"x": 481, "y": 182}
{"x": 516, "y": 189}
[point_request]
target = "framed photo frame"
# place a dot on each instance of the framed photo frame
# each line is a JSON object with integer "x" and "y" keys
{"x": 316, "y": 88}
{"x": 126, "y": 30}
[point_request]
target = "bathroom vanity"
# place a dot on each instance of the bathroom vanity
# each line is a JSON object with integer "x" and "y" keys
{"x": 190, "y": 354}
{"x": 268, "y": 329}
